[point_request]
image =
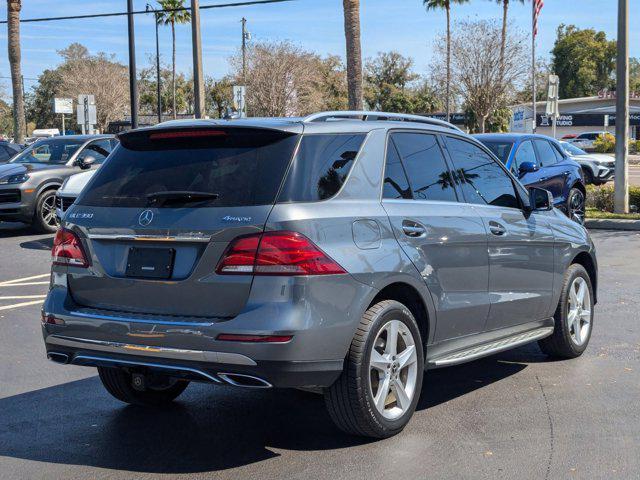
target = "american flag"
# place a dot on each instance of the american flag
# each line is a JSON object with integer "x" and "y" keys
{"x": 537, "y": 6}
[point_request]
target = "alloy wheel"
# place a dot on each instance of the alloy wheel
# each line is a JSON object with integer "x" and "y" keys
{"x": 393, "y": 369}
{"x": 48, "y": 211}
{"x": 579, "y": 311}
{"x": 576, "y": 207}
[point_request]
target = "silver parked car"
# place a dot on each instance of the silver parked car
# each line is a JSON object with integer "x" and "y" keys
{"x": 345, "y": 252}
{"x": 598, "y": 168}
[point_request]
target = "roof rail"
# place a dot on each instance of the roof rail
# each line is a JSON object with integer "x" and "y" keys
{"x": 376, "y": 116}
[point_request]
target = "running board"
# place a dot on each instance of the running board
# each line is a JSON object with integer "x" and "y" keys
{"x": 462, "y": 356}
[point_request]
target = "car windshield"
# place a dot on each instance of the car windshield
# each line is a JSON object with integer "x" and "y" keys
{"x": 54, "y": 151}
{"x": 499, "y": 149}
{"x": 572, "y": 149}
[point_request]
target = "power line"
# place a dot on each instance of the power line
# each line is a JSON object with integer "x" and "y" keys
{"x": 156, "y": 11}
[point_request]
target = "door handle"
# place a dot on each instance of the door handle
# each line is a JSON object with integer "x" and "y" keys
{"x": 497, "y": 229}
{"x": 413, "y": 229}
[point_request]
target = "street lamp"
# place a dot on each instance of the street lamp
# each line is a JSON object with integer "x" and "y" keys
{"x": 149, "y": 8}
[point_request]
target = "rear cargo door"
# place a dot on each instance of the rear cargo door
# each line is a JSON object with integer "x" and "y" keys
{"x": 159, "y": 214}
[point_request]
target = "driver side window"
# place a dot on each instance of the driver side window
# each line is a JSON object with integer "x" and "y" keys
{"x": 525, "y": 153}
{"x": 99, "y": 149}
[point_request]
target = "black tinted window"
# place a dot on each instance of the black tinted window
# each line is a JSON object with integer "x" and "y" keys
{"x": 241, "y": 166}
{"x": 483, "y": 181}
{"x": 4, "y": 154}
{"x": 546, "y": 155}
{"x": 499, "y": 149}
{"x": 395, "y": 178}
{"x": 321, "y": 166}
{"x": 426, "y": 168}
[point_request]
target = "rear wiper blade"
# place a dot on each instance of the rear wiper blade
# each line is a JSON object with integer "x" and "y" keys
{"x": 181, "y": 196}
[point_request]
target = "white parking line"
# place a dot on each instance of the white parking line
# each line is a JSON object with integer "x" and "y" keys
{"x": 22, "y": 284}
{"x": 23, "y": 304}
{"x": 20, "y": 280}
{"x": 22, "y": 297}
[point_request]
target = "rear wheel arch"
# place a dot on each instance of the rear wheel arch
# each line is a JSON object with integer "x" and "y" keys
{"x": 411, "y": 298}
{"x": 578, "y": 184}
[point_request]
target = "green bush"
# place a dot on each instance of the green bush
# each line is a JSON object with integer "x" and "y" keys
{"x": 602, "y": 198}
{"x": 605, "y": 143}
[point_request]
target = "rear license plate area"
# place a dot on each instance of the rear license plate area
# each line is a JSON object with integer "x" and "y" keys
{"x": 150, "y": 262}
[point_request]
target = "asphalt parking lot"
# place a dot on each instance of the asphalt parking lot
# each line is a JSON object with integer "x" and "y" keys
{"x": 513, "y": 415}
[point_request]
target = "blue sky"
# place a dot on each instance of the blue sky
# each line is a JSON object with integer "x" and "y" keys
{"x": 315, "y": 25}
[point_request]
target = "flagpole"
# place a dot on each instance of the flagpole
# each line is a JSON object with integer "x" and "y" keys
{"x": 533, "y": 63}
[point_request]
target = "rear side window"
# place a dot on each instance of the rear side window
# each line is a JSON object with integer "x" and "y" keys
{"x": 100, "y": 150}
{"x": 238, "y": 166}
{"x": 483, "y": 181}
{"x": 545, "y": 153}
{"x": 396, "y": 184}
{"x": 320, "y": 167}
{"x": 429, "y": 176}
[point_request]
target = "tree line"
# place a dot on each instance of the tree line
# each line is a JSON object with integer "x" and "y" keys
{"x": 479, "y": 67}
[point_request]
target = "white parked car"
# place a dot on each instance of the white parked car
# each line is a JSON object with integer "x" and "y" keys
{"x": 598, "y": 168}
{"x": 70, "y": 190}
{"x": 585, "y": 140}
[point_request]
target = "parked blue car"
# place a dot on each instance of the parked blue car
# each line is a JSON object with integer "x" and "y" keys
{"x": 540, "y": 161}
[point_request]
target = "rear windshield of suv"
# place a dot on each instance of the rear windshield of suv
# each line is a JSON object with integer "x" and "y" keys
{"x": 234, "y": 167}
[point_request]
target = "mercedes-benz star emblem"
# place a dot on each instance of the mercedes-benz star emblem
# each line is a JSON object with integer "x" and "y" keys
{"x": 145, "y": 218}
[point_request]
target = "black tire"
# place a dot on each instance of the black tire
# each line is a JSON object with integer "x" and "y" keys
{"x": 576, "y": 202}
{"x": 160, "y": 390}
{"x": 350, "y": 400}
{"x": 42, "y": 212}
{"x": 588, "y": 176}
{"x": 560, "y": 344}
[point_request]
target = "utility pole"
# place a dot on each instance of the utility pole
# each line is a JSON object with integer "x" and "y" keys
{"x": 158, "y": 84}
{"x": 198, "y": 83}
{"x": 244, "y": 50}
{"x": 621, "y": 195}
{"x": 133, "y": 81}
{"x": 533, "y": 64}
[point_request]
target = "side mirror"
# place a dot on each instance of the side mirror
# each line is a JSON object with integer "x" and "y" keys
{"x": 86, "y": 161}
{"x": 540, "y": 200}
{"x": 527, "y": 167}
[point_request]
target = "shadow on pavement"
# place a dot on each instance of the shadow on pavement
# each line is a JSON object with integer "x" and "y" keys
{"x": 208, "y": 429}
{"x": 41, "y": 244}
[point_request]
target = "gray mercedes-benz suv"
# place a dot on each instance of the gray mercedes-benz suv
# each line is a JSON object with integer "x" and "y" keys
{"x": 345, "y": 252}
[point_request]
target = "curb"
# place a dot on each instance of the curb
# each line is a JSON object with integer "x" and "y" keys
{"x": 612, "y": 224}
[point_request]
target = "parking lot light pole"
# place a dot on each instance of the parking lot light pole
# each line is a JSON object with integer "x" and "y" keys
{"x": 133, "y": 81}
{"x": 621, "y": 195}
{"x": 198, "y": 83}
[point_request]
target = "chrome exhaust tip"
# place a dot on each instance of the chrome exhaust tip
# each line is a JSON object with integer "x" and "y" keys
{"x": 58, "y": 357}
{"x": 241, "y": 380}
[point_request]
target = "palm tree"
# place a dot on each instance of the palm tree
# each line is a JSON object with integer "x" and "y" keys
{"x": 354, "y": 52}
{"x": 446, "y": 5}
{"x": 13, "y": 27}
{"x": 503, "y": 41}
{"x": 171, "y": 17}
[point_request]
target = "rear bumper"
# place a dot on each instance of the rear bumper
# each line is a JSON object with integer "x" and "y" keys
{"x": 314, "y": 357}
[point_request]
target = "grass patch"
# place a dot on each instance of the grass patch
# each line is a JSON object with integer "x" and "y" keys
{"x": 599, "y": 214}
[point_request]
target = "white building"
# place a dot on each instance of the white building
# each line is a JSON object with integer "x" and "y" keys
{"x": 577, "y": 115}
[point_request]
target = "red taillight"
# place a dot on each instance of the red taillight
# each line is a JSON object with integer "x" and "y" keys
{"x": 187, "y": 134}
{"x": 67, "y": 249}
{"x": 276, "y": 253}
{"x": 230, "y": 337}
